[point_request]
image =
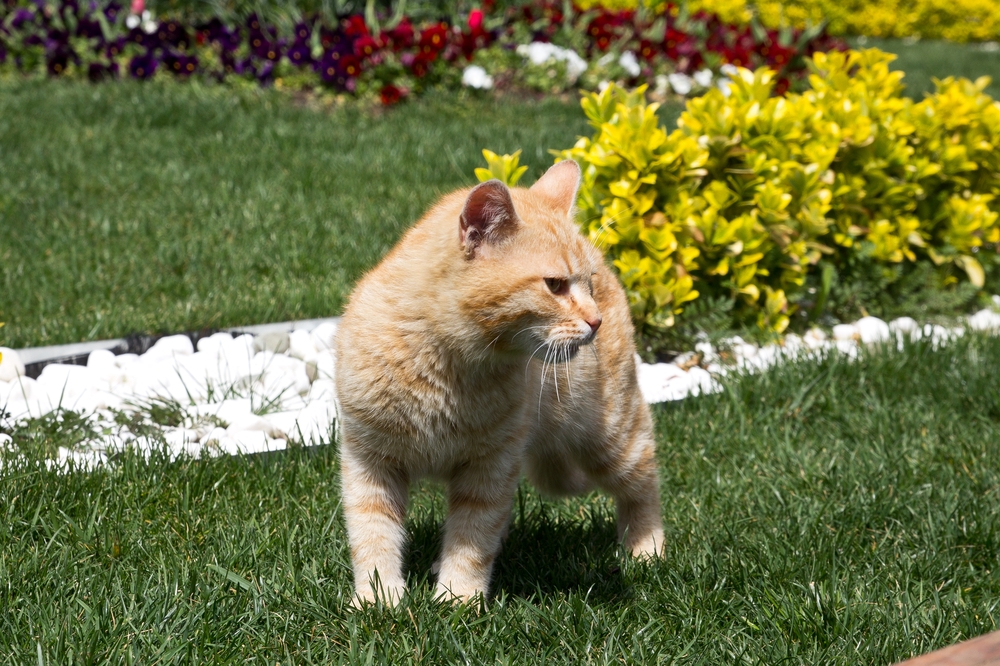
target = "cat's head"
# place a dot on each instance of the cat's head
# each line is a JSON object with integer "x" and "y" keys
{"x": 527, "y": 278}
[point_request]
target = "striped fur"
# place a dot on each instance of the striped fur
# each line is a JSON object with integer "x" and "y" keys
{"x": 457, "y": 361}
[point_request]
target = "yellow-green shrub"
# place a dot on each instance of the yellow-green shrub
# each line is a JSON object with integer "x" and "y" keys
{"x": 955, "y": 20}
{"x": 751, "y": 191}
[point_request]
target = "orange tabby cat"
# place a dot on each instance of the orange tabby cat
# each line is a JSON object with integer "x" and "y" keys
{"x": 492, "y": 340}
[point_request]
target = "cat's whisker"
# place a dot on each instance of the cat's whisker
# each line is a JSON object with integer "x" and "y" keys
{"x": 493, "y": 342}
{"x": 555, "y": 371}
{"x": 526, "y": 365}
{"x": 526, "y": 329}
{"x": 568, "y": 374}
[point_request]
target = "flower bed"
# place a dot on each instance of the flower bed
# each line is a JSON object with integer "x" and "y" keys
{"x": 388, "y": 58}
{"x": 758, "y": 208}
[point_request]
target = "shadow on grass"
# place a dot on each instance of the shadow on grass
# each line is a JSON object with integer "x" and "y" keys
{"x": 554, "y": 546}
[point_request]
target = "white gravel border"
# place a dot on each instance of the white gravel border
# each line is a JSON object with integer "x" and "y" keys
{"x": 249, "y": 394}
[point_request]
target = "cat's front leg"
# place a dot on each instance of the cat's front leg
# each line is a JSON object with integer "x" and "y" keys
{"x": 480, "y": 495}
{"x": 374, "y": 501}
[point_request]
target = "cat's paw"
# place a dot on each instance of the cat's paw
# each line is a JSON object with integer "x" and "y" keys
{"x": 456, "y": 594}
{"x": 367, "y": 596}
{"x": 647, "y": 547}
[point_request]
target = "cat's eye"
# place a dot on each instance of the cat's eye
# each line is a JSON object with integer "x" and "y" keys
{"x": 557, "y": 285}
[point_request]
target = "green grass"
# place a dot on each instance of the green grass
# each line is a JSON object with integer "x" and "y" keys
{"x": 831, "y": 513}
{"x": 925, "y": 60}
{"x": 145, "y": 208}
{"x": 129, "y": 207}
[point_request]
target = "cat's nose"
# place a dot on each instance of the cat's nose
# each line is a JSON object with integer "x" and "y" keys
{"x": 594, "y": 324}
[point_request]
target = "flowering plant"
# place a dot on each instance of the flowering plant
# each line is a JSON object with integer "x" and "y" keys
{"x": 542, "y": 45}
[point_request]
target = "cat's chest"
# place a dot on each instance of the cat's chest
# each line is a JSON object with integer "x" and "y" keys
{"x": 443, "y": 411}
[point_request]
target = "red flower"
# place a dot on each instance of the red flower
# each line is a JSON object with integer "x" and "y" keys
{"x": 781, "y": 86}
{"x": 778, "y": 56}
{"x": 350, "y": 66}
{"x": 673, "y": 41}
{"x": 420, "y": 65}
{"x": 401, "y": 36}
{"x": 355, "y": 26}
{"x": 390, "y": 94}
{"x": 432, "y": 39}
{"x": 366, "y": 46}
{"x": 476, "y": 20}
{"x": 647, "y": 50}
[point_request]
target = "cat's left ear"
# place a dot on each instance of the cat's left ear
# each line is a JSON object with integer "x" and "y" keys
{"x": 560, "y": 184}
{"x": 487, "y": 217}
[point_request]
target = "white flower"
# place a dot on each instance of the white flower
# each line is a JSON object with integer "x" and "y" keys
{"x": 662, "y": 84}
{"x": 131, "y": 21}
{"x": 149, "y": 26}
{"x": 703, "y": 78}
{"x": 725, "y": 85}
{"x": 681, "y": 83}
{"x": 540, "y": 53}
{"x": 729, "y": 69}
{"x": 603, "y": 85}
{"x": 476, "y": 77}
{"x": 630, "y": 64}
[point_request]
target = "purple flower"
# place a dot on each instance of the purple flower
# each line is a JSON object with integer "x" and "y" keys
{"x": 22, "y": 16}
{"x": 143, "y": 67}
{"x": 302, "y": 33}
{"x": 173, "y": 33}
{"x": 58, "y": 60}
{"x": 112, "y": 10}
{"x": 139, "y": 36}
{"x": 300, "y": 54}
{"x": 265, "y": 71}
{"x": 114, "y": 48}
{"x": 89, "y": 28}
{"x": 180, "y": 64}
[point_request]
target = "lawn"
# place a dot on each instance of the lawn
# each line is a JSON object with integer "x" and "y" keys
{"x": 925, "y": 60}
{"x": 831, "y": 513}
{"x": 131, "y": 207}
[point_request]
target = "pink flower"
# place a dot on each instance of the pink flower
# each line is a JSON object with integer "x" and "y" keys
{"x": 138, "y": 7}
{"x": 476, "y": 20}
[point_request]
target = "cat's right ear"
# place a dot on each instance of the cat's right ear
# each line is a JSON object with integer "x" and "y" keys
{"x": 487, "y": 218}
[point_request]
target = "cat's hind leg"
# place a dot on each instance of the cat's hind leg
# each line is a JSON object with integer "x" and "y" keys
{"x": 374, "y": 505}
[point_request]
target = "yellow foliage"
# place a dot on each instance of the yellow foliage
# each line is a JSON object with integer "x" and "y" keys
{"x": 501, "y": 167}
{"x": 955, "y": 20}
{"x": 751, "y": 191}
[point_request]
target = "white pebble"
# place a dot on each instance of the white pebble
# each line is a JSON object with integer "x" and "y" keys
{"x": 326, "y": 365}
{"x": 814, "y": 337}
{"x": 125, "y": 360}
{"x": 301, "y": 345}
{"x": 324, "y": 334}
{"x": 985, "y": 320}
{"x": 845, "y": 332}
{"x": 872, "y": 330}
{"x": 101, "y": 359}
{"x": 214, "y": 342}
{"x": 11, "y": 366}
{"x": 168, "y": 347}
